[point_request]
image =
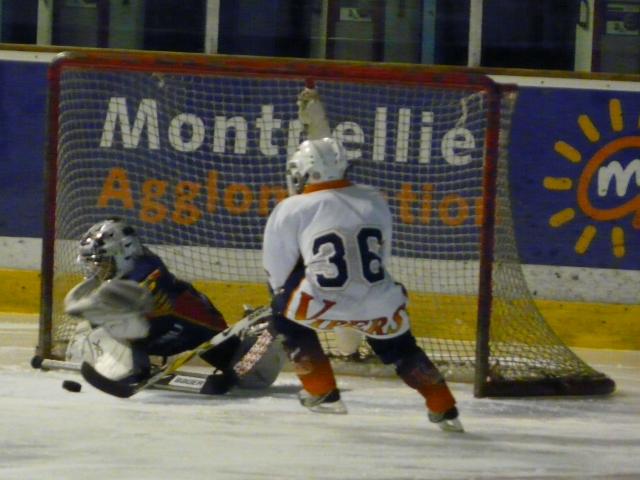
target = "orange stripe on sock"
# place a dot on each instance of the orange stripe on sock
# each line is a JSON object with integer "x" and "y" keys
{"x": 317, "y": 377}
{"x": 438, "y": 397}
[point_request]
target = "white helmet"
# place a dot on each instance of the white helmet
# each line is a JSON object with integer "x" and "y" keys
{"x": 316, "y": 161}
{"x": 108, "y": 249}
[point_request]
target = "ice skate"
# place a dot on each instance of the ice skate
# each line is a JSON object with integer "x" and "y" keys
{"x": 448, "y": 421}
{"x": 328, "y": 403}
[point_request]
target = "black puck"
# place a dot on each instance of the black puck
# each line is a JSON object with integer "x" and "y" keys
{"x": 71, "y": 386}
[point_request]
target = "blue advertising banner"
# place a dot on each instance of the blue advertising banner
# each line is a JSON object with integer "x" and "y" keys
{"x": 575, "y": 177}
{"x": 177, "y": 149}
{"x": 574, "y": 153}
{"x": 23, "y": 94}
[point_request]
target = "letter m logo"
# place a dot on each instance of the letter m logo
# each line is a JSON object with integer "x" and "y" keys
{"x": 621, "y": 177}
{"x": 117, "y": 114}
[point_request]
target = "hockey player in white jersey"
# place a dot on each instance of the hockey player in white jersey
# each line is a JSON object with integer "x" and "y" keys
{"x": 325, "y": 250}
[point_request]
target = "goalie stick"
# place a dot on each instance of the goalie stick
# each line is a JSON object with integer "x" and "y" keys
{"x": 126, "y": 390}
{"x": 189, "y": 382}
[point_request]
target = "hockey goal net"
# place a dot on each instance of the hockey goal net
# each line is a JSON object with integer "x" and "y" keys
{"x": 191, "y": 151}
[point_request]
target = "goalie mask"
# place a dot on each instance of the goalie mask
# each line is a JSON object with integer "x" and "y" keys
{"x": 316, "y": 161}
{"x": 108, "y": 249}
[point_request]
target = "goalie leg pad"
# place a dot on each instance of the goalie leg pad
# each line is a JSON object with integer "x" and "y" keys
{"x": 220, "y": 356}
{"x": 251, "y": 357}
{"x": 112, "y": 358}
{"x": 264, "y": 371}
{"x": 75, "y": 352}
{"x": 219, "y": 383}
{"x": 245, "y": 363}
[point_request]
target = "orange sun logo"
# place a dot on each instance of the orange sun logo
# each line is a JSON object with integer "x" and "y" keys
{"x": 610, "y": 177}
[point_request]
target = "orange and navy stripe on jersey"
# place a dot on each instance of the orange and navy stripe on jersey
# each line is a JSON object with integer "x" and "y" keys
{"x": 182, "y": 317}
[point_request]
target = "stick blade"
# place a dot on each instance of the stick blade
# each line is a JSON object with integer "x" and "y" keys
{"x": 112, "y": 387}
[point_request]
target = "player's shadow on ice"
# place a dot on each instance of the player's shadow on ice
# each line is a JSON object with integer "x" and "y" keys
{"x": 278, "y": 391}
{"x": 274, "y": 391}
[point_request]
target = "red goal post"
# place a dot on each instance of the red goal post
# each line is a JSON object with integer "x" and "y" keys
{"x": 190, "y": 149}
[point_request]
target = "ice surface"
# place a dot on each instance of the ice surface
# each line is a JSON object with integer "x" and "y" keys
{"x": 50, "y": 433}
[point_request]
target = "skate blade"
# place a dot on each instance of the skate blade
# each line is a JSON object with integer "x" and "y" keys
{"x": 451, "y": 426}
{"x": 324, "y": 403}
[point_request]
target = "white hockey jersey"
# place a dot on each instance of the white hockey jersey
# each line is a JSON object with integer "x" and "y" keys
{"x": 325, "y": 251}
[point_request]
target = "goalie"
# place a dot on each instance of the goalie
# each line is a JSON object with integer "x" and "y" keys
{"x": 132, "y": 307}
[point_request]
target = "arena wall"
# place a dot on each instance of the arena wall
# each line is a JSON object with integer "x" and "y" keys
{"x": 583, "y": 268}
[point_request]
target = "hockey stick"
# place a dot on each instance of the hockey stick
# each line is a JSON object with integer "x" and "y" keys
{"x": 190, "y": 382}
{"x": 126, "y": 390}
